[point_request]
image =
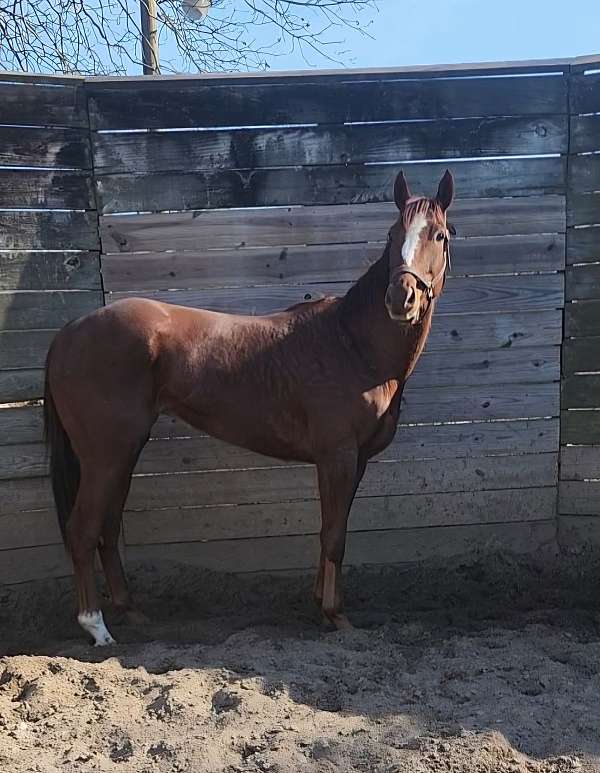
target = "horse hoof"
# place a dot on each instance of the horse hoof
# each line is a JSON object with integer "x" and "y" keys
{"x": 340, "y": 622}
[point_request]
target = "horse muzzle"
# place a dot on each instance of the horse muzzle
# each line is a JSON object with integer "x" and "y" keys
{"x": 403, "y": 301}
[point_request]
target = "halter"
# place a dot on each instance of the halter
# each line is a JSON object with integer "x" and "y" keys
{"x": 429, "y": 286}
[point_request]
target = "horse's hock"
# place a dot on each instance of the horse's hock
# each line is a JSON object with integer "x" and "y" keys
{"x": 288, "y": 203}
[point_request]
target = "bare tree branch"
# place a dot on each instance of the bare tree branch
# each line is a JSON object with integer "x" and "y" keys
{"x": 103, "y": 37}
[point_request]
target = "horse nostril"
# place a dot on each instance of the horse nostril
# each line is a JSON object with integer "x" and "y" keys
{"x": 408, "y": 301}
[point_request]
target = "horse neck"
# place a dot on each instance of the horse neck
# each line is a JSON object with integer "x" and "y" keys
{"x": 389, "y": 350}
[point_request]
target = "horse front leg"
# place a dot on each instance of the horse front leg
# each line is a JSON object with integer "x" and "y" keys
{"x": 339, "y": 474}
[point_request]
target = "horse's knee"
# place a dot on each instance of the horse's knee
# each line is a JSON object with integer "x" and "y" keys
{"x": 333, "y": 544}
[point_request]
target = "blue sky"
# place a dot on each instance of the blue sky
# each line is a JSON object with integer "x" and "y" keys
{"x": 408, "y": 32}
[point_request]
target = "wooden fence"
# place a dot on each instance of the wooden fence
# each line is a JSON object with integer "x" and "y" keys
{"x": 252, "y": 193}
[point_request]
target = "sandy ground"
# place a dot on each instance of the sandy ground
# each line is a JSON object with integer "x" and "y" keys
{"x": 492, "y": 666}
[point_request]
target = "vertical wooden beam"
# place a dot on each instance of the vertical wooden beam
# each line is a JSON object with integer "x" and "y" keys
{"x": 149, "y": 37}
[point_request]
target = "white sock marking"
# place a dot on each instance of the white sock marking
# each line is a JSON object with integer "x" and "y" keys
{"x": 93, "y": 623}
{"x": 411, "y": 240}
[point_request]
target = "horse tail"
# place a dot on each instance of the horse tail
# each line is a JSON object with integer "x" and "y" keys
{"x": 64, "y": 464}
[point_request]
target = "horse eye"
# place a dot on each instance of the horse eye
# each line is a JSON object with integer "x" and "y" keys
{"x": 440, "y": 236}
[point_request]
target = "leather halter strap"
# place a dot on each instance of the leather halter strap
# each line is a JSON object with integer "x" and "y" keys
{"x": 429, "y": 286}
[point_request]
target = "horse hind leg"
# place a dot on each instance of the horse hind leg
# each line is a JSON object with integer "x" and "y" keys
{"x": 102, "y": 492}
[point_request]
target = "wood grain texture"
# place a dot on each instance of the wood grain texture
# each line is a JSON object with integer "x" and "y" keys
{"x": 585, "y": 93}
{"x": 44, "y": 147}
{"x": 580, "y": 355}
{"x": 584, "y": 173}
{"x": 273, "y": 554}
{"x": 577, "y": 497}
{"x": 581, "y": 391}
{"x": 49, "y": 271}
{"x": 322, "y": 185}
{"x": 183, "y": 449}
{"x": 582, "y": 319}
{"x": 324, "y": 100}
{"x": 33, "y": 563}
{"x": 184, "y": 151}
{"x": 323, "y": 263}
{"x": 461, "y": 295}
{"x": 580, "y": 463}
{"x": 307, "y": 225}
{"x": 579, "y": 534}
{"x": 291, "y": 483}
{"x": 21, "y": 424}
{"x": 25, "y": 530}
{"x": 582, "y": 282}
{"x": 49, "y": 231}
{"x": 584, "y": 133}
{"x": 41, "y": 189}
{"x": 583, "y": 245}
{"x": 584, "y": 209}
{"x": 32, "y": 104}
{"x": 24, "y": 348}
{"x": 580, "y": 427}
{"x": 153, "y": 527}
{"x": 30, "y": 310}
{"x": 19, "y": 385}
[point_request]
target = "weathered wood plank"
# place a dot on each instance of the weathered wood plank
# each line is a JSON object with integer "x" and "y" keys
{"x": 24, "y": 530}
{"x": 324, "y": 100}
{"x": 577, "y": 497}
{"x": 582, "y": 319}
{"x": 580, "y": 463}
{"x": 184, "y": 151}
{"x": 19, "y": 385}
{"x": 49, "y": 271}
{"x": 289, "y": 483}
{"x": 585, "y": 133}
{"x": 584, "y": 173}
{"x": 584, "y": 209}
{"x": 375, "y": 513}
{"x": 323, "y": 263}
{"x": 49, "y": 231}
{"x": 273, "y": 554}
{"x": 585, "y": 93}
{"x": 33, "y": 563}
{"x": 583, "y": 245}
{"x": 24, "y": 349}
{"x": 579, "y": 533}
{"x": 298, "y": 482}
{"x": 580, "y": 355}
{"x": 580, "y": 427}
{"x": 22, "y": 424}
{"x": 32, "y": 104}
{"x": 29, "y": 310}
{"x": 582, "y": 282}
{"x": 461, "y": 332}
{"x": 200, "y": 452}
{"x": 461, "y": 296}
{"x": 32, "y": 188}
{"x": 322, "y": 185}
{"x": 479, "y": 403}
{"x": 25, "y": 495}
{"x": 319, "y": 225}
{"x": 36, "y": 146}
{"x": 581, "y": 391}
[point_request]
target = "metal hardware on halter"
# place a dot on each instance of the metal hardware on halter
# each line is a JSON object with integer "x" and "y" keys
{"x": 429, "y": 286}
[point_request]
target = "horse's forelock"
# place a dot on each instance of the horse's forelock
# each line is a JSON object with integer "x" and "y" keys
{"x": 421, "y": 205}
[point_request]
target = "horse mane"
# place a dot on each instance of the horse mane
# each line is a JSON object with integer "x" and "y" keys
{"x": 421, "y": 205}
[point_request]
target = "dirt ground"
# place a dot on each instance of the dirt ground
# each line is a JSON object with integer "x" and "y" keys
{"x": 488, "y": 666}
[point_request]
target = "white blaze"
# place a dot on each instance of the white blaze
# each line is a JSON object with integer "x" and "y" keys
{"x": 93, "y": 623}
{"x": 412, "y": 238}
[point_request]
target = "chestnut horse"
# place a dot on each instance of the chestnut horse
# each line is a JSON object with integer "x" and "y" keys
{"x": 320, "y": 382}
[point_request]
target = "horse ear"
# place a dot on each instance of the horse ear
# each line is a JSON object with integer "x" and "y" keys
{"x": 401, "y": 192}
{"x": 445, "y": 192}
